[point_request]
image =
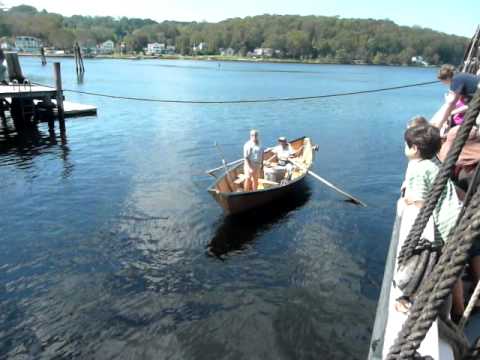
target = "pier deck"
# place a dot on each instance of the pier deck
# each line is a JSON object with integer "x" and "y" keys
{"x": 38, "y": 93}
{"x": 27, "y": 91}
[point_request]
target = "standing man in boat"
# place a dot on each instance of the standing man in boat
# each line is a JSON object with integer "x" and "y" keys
{"x": 253, "y": 161}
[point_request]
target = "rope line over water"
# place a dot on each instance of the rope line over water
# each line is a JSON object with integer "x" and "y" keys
{"x": 249, "y": 101}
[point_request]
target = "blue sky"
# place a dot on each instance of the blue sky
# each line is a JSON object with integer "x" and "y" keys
{"x": 451, "y": 16}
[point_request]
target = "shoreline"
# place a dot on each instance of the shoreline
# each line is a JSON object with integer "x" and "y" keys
{"x": 219, "y": 58}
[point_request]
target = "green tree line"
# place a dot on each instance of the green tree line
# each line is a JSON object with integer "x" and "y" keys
{"x": 326, "y": 39}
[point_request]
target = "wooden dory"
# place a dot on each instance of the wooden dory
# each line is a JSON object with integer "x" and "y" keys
{"x": 228, "y": 189}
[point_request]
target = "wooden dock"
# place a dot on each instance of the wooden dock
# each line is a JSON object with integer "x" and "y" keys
{"x": 27, "y": 91}
{"x": 29, "y": 103}
{"x": 23, "y": 101}
{"x": 72, "y": 109}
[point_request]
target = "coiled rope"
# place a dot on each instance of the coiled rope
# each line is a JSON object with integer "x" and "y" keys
{"x": 247, "y": 101}
{"x": 439, "y": 284}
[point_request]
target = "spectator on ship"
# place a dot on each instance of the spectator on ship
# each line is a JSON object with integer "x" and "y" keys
{"x": 460, "y": 85}
{"x": 417, "y": 121}
{"x": 422, "y": 143}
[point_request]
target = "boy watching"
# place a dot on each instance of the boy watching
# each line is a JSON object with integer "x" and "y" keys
{"x": 421, "y": 146}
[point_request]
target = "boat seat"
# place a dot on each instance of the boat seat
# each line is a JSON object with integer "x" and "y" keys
{"x": 267, "y": 182}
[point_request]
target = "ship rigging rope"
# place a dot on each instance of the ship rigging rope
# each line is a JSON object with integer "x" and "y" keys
{"x": 413, "y": 238}
{"x": 248, "y": 101}
{"x": 437, "y": 287}
{"x": 474, "y": 352}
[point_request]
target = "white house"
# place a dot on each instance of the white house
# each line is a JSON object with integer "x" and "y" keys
{"x": 170, "y": 49}
{"x": 227, "y": 52}
{"x": 155, "y": 48}
{"x": 107, "y": 47}
{"x": 200, "y": 47}
{"x": 267, "y": 52}
{"x": 418, "y": 60}
{"x": 28, "y": 43}
{"x": 5, "y": 46}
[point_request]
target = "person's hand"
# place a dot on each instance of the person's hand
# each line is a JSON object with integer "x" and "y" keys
{"x": 450, "y": 97}
{"x": 474, "y": 133}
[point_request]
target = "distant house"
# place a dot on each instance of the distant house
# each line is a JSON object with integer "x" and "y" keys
{"x": 418, "y": 60}
{"x": 170, "y": 49}
{"x": 267, "y": 52}
{"x": 107, "y": 47}
{"x": 89, "y": 50}
{"x": 155, "y": 48}
{"x": 227, "y": 52}
{"x": 5, "y": 45}
{"x": 200, "y": 47}
{"x": 28, "y": 43}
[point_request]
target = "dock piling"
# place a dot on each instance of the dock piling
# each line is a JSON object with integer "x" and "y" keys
{"x": 58, "y": 85}
{"x": 42, "y": 55}
{"x": 79, "y": 68}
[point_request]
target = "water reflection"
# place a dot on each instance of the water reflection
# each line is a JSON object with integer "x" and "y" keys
{"x": 21, "y": 147}
{"x": 235, "y": 232}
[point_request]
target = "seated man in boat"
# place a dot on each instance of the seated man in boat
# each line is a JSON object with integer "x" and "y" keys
{"x": 253, "y": 156}
{"x": 281, "y": 153}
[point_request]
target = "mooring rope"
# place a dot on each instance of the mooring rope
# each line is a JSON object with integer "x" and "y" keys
{"x": 411, "y": 242}
{"x": 246, "y": 101}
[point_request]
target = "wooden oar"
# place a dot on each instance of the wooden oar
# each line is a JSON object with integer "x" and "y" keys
{"x": 222, "y": 156}
{"x": 211, "y": 171}
{"x": 329, "y": 184}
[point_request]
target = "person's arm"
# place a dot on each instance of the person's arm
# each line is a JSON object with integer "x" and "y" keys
{"x": 450, "y": 100}
{"x": 459, "y": 110}
{"x": 416, "y": 187}
{"x": 246, "y": 155}
{"x": 270, "y": 159}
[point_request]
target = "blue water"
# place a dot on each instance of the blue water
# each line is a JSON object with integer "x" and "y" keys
{"x": 107, "y": 233}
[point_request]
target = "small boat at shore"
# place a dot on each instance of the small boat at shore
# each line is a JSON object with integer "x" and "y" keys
{"x": 228, "y": 189}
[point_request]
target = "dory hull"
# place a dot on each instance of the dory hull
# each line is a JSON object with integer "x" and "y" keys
{"x": 228, "y": 189}
{"x": 235, "y": 203}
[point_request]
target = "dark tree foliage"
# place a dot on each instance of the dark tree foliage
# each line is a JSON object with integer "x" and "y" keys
{"x": 326, "y": 39}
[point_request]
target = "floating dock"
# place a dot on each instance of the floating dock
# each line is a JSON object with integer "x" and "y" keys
{"x": 72, "y": 109}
